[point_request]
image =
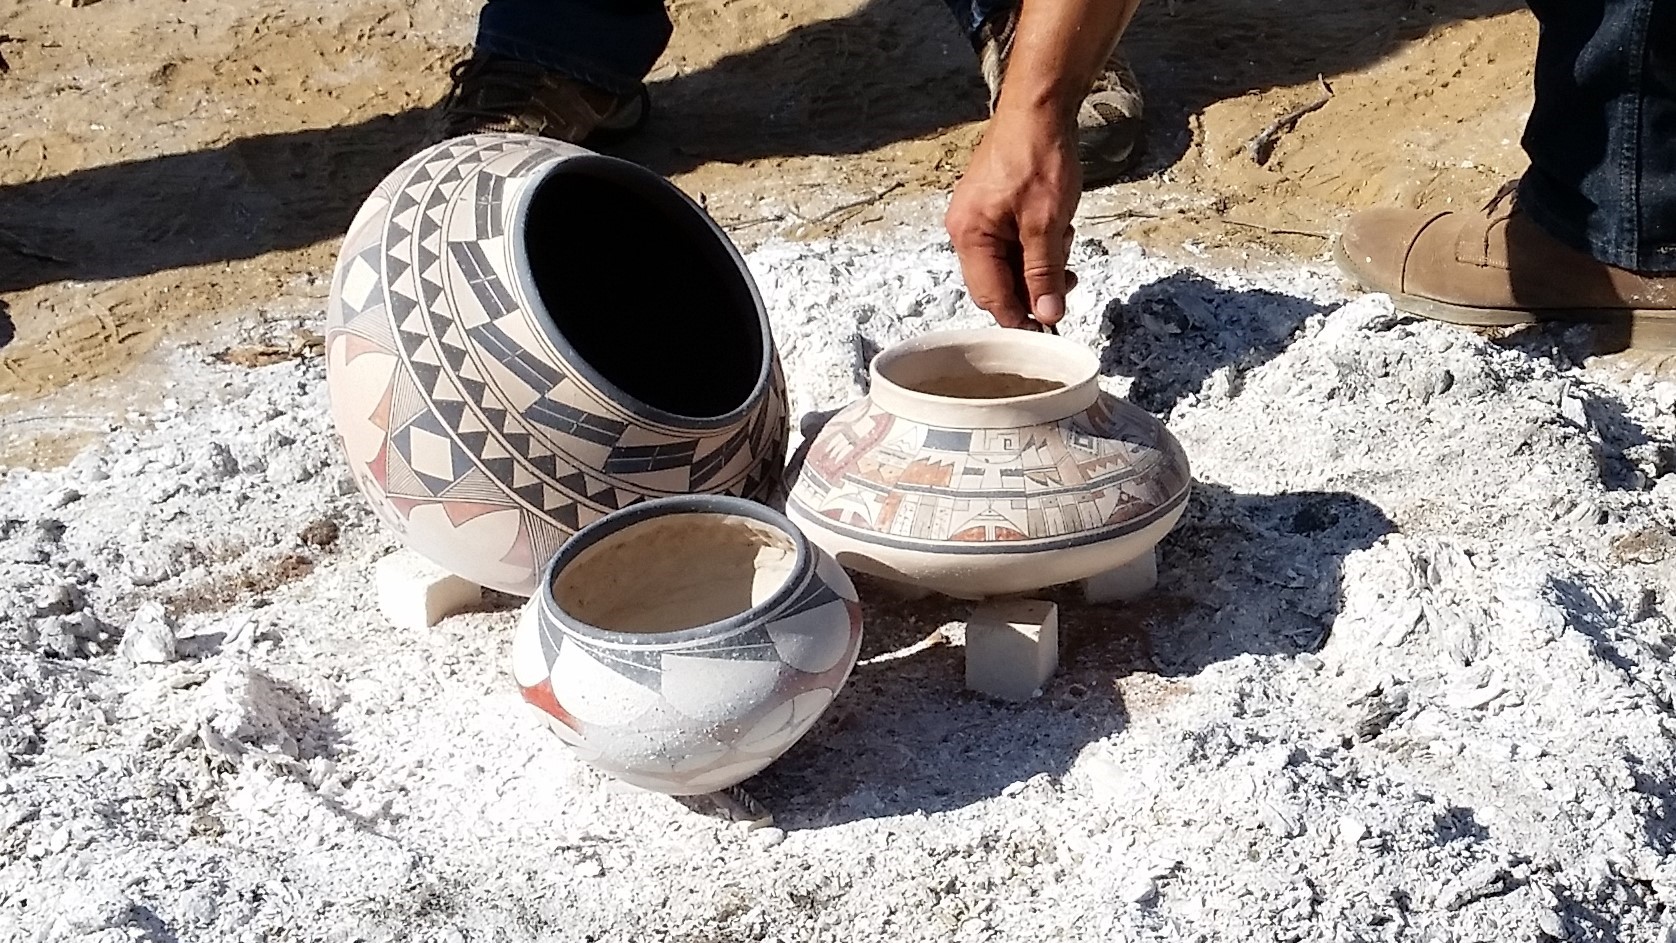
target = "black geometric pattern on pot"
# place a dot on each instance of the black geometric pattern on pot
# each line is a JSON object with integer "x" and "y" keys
{"x": 493, "y": 296}
{"x": 711, "y": 465}
{"x": 600, "y": 493}
{"x": 551, "y": 642}
{"x": 430, "y": 450}
{"x": 642, "y": 666}
{"x": 430, "y": 220}
{"x": 490, "y": 187}
{"x": 374, "y": 325}
{"x": 556, "y": 504}
{"x": 452, "y": 175}
{"x": 536, "y": 158}
{"x": 754, "y": 644}
{"x": 493, "y": 340}
{"x": 422, "y": 174}
{"x": 474, "y": 485}
{"x": 813, "y": 595}
{"x": 358, "y": 290}
{"x": 563, "y": 417}
{"x": 637, "y": 459}
{"x": 399, "y": 479}
{"x": 405, "y": 202}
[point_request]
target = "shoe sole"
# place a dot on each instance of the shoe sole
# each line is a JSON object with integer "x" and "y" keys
{"x": 1111, "y": 170}
{"x": 1617, "y": 328}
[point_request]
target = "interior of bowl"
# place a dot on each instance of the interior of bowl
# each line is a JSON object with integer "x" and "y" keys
{"x": 980, "y": 368}
{"x": 644, "y": 289}
{"x": 675, "y": 572}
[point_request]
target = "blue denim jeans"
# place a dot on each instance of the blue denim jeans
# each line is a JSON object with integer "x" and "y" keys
{"x": 612, "y": 44}
{"x": 1602, "y": 133}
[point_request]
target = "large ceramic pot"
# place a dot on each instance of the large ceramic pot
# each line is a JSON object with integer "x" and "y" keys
{"x": 524, "y": 337}
{"x": 989, "y": 462}
{"x": 683, "y": 644}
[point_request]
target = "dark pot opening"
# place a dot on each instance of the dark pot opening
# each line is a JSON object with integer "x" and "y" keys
{"x": 643, "y": 289}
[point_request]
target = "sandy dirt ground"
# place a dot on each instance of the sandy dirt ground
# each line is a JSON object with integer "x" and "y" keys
{"x": 165, "y": 164}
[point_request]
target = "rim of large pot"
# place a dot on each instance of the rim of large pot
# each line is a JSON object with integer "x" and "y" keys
{"x": 1043, "y": 356}
{"x": 719, "y": 505}
{"x": 659, "y": 190}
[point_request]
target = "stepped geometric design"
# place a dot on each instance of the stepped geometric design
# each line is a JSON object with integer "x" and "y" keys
{"x": 450, "y": 387}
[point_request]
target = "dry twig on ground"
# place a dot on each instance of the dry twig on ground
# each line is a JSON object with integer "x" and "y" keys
{"x": 1261, "y": 147}
{"x": 852, "y": 205}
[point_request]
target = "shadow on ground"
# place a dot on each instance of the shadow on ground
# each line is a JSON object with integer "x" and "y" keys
{"x": 1243, "y": 574}
{"x": 895, "y": 70}
{"x": 1172, "y": 334}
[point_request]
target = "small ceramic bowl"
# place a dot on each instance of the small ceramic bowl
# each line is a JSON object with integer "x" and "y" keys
{"x": 683, "y": 644}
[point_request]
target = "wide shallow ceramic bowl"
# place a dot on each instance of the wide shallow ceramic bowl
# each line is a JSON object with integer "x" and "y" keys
{"x": 683, "y": 644}
{"x": 989, "y": 462}
{"x": 523, "y": 337}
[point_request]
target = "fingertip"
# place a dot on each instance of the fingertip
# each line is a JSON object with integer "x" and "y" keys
{"x": 1050, "y": 308}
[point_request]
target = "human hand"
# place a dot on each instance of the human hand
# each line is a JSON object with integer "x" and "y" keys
{"x": 1010, "y": 217}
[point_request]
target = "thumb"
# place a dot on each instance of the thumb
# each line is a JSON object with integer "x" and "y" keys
{"x": 1045, "y": 278}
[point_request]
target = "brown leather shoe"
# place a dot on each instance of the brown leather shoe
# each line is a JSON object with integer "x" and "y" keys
{"x": 494, "y": 93}
{"x": 1496, "y": 267}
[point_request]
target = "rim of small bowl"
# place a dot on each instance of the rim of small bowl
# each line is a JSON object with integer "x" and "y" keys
{"x": 933, "y": 409}
{"x": 642, "y": 180}
{"x": 709, "y": 505}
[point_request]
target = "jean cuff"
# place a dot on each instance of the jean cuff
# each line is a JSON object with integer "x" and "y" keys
{"x": 1649, "y": 260}
{"x": 570, "y": 66}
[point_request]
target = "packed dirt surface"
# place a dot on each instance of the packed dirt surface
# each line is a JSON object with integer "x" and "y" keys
{"x": 167, "y": 165}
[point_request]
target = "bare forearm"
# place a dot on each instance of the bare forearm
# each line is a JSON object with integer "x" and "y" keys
{"x": 1057, "y": 51}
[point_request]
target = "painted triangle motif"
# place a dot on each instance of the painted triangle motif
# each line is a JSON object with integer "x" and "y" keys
{"x": 519, "y": 442}
{"x": 427, "y": 355}
{"x": 374, "y": 325}
{"x": 473, "y": 442}
{"x": 501, "y": 468}
{"x": 413, "y": 322}
{"x": 472, "y": 387}
{"x": 395, "y": 268}
{"x": 456, "y": 357}
{"x": 576, "y": 483}
{"x": 475, "y": 485}
{"x": 402, "y": 305}
{"x": 567, "y": 515}
{"x": 546, "y": 464}
{"x": 399, "y": 478}
{"x": 425, "y": 258}
{"x": 496, "y": 418}
{"x": 451, "y": 411}
{"x": 469, "y": 424}
{"x": 404, "y": 201}
{"x": 427, "y": 374}
{"x": 406, "y": 403}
